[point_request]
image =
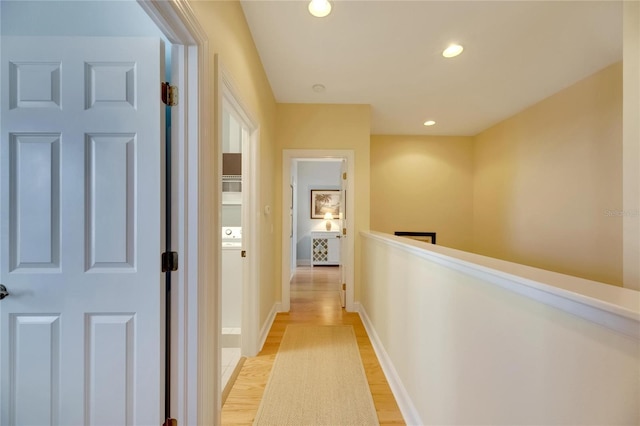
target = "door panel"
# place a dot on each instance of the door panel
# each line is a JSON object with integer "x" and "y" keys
{"x": 34, "y": 357}
{"x": 110, "y": 196}
{"x": 34, "y": 208}
{"x": 109, "y": 355}
{"x": 81, "y": 334}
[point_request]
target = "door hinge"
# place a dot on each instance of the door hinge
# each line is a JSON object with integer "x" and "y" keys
{"x": 243, "y": 253}
{"x": 169, "y": 261}
{"x": 344, "y": 231}
{"x": 344, "y": 286}
{"x": 170, "y": 422}
{"x": 344, "y": 176}
{"x": 169, "y": 94}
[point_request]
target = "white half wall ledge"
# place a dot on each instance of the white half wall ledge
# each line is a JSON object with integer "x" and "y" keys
{"x": 465, "y": 339}
{"x": 616, "y": 308}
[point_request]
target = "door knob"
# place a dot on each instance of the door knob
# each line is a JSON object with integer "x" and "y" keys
{"x": 3, "y": 292}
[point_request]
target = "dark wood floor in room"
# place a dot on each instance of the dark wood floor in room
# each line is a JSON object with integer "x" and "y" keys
{"x": 314, "y": 300}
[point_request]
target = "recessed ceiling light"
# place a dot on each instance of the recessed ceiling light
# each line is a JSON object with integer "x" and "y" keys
{"x": 452, "y": 51}
{"x": 318, "y": 88}
{"x": 319, "y": 8}
{"x": 429, "y": 123}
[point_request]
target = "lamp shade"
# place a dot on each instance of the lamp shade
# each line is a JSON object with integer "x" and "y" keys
{"x": 328, "y": 216}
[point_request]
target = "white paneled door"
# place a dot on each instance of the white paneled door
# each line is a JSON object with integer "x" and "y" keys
{"x": 80, "y": 231}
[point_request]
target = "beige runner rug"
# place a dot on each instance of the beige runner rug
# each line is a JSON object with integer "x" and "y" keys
{"x": 317, "y": 379}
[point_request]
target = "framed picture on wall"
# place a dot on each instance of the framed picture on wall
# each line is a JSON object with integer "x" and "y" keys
{"x": 325, "y": 201}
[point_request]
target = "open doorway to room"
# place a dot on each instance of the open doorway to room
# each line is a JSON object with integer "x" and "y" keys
{"x": 316, "y": 227}
{"x": 317, "y": 181}
{"x": 235, "y": 138}
{"x": 238, "y": 136}
{"x": 317, "y": 230}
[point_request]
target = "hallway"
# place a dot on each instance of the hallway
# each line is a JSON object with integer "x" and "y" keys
{"x": 314, "y": 300}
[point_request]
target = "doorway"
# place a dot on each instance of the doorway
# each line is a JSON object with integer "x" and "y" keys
{"x": 235, "y": 141}
{"x": 320, "y": 177}
{"x": 238, "y": 147}
{"x": 292, "y": 201}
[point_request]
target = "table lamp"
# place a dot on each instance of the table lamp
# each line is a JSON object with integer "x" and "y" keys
{"x": 328, "y": 217}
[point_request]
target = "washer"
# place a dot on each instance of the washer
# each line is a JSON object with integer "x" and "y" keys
{"x": 231, "y": 276}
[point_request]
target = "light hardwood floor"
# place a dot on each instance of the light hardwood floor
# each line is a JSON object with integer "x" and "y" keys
{"x": 314, "y": 300}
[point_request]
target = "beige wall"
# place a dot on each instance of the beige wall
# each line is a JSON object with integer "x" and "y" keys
{"x": 229, "y": 38}
{"x": 423, "y": 183}
{"x": 631, "y": 146}
{"x": 326, "y": 126}
{"x": 547, "y": 181}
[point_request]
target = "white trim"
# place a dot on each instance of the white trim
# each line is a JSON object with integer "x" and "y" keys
{"x": 179, "y": 334}
{"x": 228, "y": 94}
{"x": 178, "y": 23}
{"x": 408, "y": 410}
{"x": 266, "y": 327}
{"x": 193, "y": 399}
{"x": 613, "y": 307}
{"x": 288, "y": 155}
{"x": 175, "y": 20}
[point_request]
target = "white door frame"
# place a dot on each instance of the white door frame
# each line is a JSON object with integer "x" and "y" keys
{"x": 195, "y": 380}
{"x": 288, "y": 155}
{"x": 251, "y": 212}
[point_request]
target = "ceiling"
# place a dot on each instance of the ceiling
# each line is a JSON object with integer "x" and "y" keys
{"x": 388, "y": 54}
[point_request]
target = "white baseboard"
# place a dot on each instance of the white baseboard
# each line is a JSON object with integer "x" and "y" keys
{"x": 264, "y": 331}
{"x": 408, "y": 410}
{"x": 303, "y": 262}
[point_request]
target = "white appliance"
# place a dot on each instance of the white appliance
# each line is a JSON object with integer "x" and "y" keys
{"x": 231, "y": 190}
{"x": 231, "y": 276}
{"x": 231, "y": 236}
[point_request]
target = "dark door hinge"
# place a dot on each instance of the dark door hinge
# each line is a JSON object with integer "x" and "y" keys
{"x": 169, "y": 94}
{"x": 169, "y": 261}
{"x": 170, "y": 422}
